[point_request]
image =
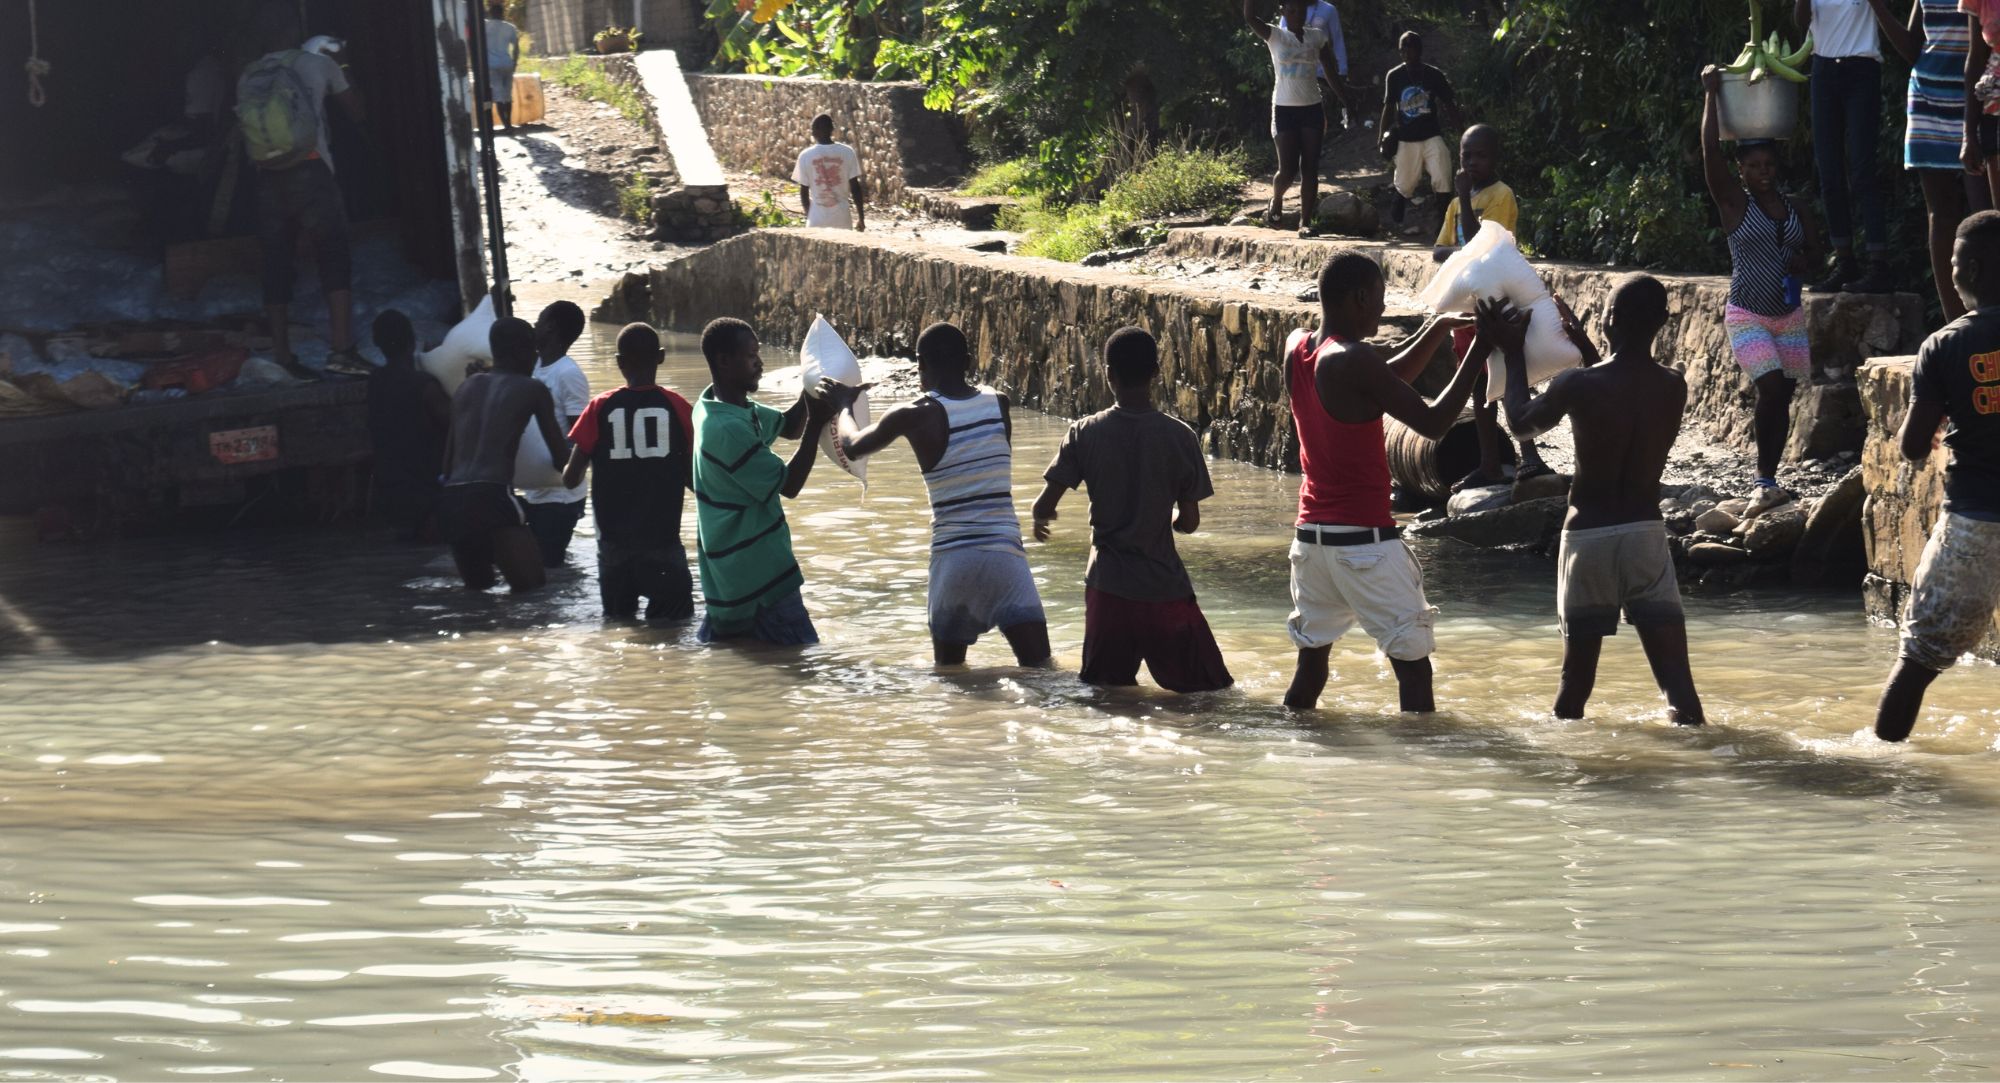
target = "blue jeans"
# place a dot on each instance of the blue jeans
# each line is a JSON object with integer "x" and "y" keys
{"x": 1846, "y": 126}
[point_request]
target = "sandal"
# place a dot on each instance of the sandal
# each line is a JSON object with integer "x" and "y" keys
{"x": 1476, "y": 480}
{"x": 1536, "y": 471}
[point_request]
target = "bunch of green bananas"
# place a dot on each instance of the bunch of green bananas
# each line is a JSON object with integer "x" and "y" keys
{"x": 1768, "y": 57}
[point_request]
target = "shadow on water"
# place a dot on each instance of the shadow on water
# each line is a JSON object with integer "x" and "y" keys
{"x": 1651, "y": 758}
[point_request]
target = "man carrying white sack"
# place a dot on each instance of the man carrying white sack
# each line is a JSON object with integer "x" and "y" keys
{"x": 1349, "y": 563}
{"x": 1491, "y": 267}
{"x": 829, "y": 178}
{"x": 963, "y": 436}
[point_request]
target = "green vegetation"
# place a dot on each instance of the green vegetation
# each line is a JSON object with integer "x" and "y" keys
{"x": 578, "y": 74}
{"x": 635, "y": 200}
{"x": 768, "y": 213}
{"x": 1173, "y": 180}
{"x": 1014, "y": 177}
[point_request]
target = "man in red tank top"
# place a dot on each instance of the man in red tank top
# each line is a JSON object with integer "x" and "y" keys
{"x": 1349, "y": 563}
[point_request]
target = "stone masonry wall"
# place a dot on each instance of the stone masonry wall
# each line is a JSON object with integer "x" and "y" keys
{"x": 759, "y": 124}
{"x": 1037, "y": 327}
{"x": 1846, "y": 330}
{"x": 1904, "y": 498}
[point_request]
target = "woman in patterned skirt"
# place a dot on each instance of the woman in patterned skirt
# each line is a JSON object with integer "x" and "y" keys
{"x": 1934, "y": 43}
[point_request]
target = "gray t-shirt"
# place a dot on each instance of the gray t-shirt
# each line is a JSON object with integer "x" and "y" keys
{"x": 1136, "y": 465}
{"x": 321, "y": 77}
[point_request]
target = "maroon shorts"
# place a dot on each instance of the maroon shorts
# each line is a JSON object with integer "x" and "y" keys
{"x": 1172, "y": 638}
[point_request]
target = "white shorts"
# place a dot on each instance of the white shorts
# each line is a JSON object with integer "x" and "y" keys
{"x": 838, "y": 216}
{"x": 1428, "y": 157}
{"x": 1378, "y": 585}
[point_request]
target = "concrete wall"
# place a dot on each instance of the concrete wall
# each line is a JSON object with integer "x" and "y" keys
{"x": 1904, "y": 498}
{"x": 1037, "y": 327}
{"x": 562, "y": 27}
{"x": 760, "y": 123}
{"x": 1847, "y": 329}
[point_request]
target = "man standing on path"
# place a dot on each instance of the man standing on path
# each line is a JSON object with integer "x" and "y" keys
{"x": 281, "y": 107}
{"x": 1625, "y": 415}
{"x": 1147, "y": 478}
{"x": 829, "y": 178}
{"x": 1412, "y": 138}
{"x": 1349, "y": 563}
{"x": 480, "y": 515}
{"x": 1332, "y": 84}
{"x": 749, "y": 578}
{"x": 553, "y": 511}
{"x": 503, "y": 55}
{"x": 963, "y": 436}
{"x": 1957, "y": 586}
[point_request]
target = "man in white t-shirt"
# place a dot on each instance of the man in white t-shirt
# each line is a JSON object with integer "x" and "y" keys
{"x": 553, "y": 512}
{"x": 829, "y": 180}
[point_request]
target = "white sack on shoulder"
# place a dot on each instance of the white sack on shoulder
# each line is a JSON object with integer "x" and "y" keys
{"x": 1491, "y": 267}
{"x": 825, "y": 354}
{"x": 471, "y": 340}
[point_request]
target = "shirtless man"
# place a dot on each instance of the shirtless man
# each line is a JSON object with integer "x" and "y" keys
{"x": 1349, "y": 563}
{"x": 1625, "y": 414}
{"x": 963, "y": 436}
{"x": 482, "y": 519}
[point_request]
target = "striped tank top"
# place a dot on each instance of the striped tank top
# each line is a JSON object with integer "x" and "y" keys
{"x": 972, "y": 485}
{"x": 1760, "y": 256}
{"x": 1936, "y": 103}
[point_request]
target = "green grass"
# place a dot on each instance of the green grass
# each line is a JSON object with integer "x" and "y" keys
{"x": 1014, "y": 177}
{"x": 1173, "y": 180}
{"x": 580, "y": 75}
{"x": 1177, "y": 180}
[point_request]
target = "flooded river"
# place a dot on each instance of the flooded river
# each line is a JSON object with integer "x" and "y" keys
{"x": 290, "y": 806}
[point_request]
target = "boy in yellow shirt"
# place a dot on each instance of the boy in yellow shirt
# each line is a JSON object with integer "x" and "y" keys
{"x": 1482, "y": 196}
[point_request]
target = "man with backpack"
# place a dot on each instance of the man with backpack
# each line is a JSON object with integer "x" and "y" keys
{"x": 281, "y": 108}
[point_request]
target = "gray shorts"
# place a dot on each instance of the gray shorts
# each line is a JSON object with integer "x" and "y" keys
{"x": 1606, "y": 570}
{"x": 501, "y": 82}
{"x": 1955, "y": 593}
{"x": 974, "y": 591}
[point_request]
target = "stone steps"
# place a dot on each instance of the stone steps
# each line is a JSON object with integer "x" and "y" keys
{"x": 978, "y": 213}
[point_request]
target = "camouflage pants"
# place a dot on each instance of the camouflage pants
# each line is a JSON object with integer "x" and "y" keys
{"x": 1956, "y": 591}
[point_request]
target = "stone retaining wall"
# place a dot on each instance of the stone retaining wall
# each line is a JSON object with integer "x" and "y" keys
{"x": 760, "y": 123}
{"x": 1037, "y": 327}
{"x": 1904, "y": 498}
{"x": 1846, "y": 329}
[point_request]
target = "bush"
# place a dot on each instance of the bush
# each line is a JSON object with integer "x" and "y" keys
{"x": 1065, "y": 233}
{"x": 1014, "y": 177}
{"x": 1637, "y": 218}
{"x": 635, "y": 200}
{"x": 1177, "y": 180}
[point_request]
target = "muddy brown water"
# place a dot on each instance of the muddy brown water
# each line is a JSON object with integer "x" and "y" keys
{"x": 291, "y": 806}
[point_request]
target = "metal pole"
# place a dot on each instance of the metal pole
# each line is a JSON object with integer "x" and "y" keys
{"x": 482, "y": 96}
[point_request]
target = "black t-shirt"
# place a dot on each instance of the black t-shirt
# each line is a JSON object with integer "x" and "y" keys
{"x": 641, "y": 446}
{"x": 1415, "y": 92}
{"x": 1959, "y": 366}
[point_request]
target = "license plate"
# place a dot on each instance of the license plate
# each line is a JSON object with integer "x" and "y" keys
{"x": 244, "y": 445}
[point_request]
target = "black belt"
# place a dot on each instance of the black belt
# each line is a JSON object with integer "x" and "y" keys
{"x": 1314, "y": 535}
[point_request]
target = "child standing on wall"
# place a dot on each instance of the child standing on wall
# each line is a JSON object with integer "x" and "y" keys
{"x": 1411, "y": 136}
{"x": 829, "y": 178}
{"x": 1770, "y": 236}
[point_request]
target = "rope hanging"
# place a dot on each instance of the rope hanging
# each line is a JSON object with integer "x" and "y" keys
{"x": 37, "y": 67}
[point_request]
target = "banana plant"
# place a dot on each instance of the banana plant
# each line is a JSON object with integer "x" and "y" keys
{"x": 1766, "y": 56}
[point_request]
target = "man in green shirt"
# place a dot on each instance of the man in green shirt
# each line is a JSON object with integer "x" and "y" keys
{"x": 749, "y": 578}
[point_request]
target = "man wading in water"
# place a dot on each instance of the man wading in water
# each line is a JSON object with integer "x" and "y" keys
{"x": 1625, "y": 415}
{"x": 1349, "y": 564}
{"x": 963, "y": 436}
{"x": 482, "y": 519}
